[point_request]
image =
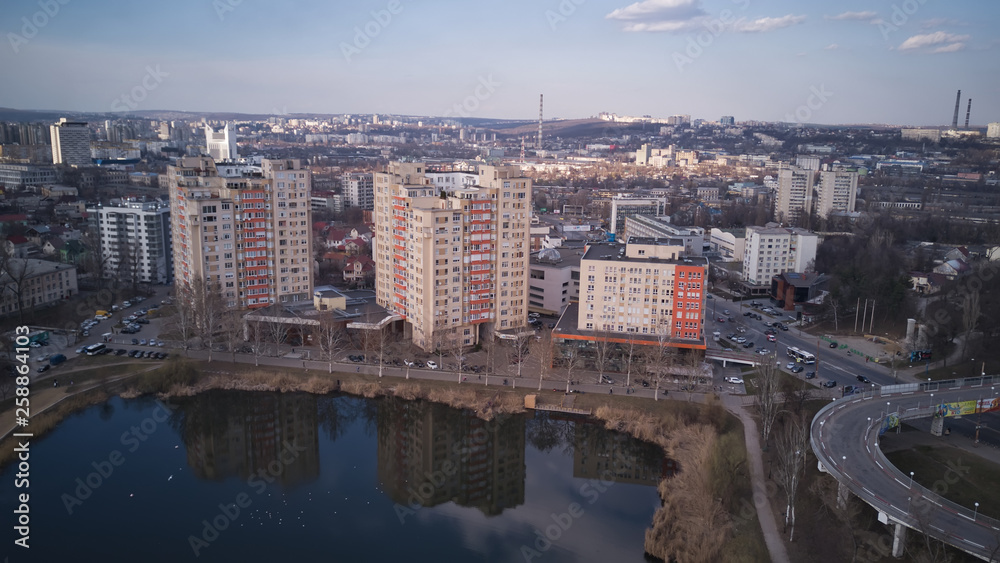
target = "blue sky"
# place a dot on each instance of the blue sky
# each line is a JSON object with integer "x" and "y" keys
{"x": 875, "y": 61}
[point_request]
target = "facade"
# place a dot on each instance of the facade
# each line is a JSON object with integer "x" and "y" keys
{"x": 20, "y": 175}
{"x": 644, "y": 226}
{"x": 729, "y": 243}
{"x": 837, "y": 192}
{"x": 772, "y": 250}
{"x": 249, "y": 232}
{"x": 359, "y": 190}
{"x": 70, "y": 143}
{"x": 623, "y": 207}
{"x": 645, "y": 287}
{"x": 39, "y": 283}
{"x": 221, "y": 145}
{"x": 932, "y": 135}
{"x": 135, "y": 240}
{"x": 795, "y": 193}
{"x": 554, "y": 280}
{"x": 452, "y": 260}
{"x": 993, "y": 130}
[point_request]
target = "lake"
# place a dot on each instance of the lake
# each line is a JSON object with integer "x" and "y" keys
{"x": 239, "y": 476}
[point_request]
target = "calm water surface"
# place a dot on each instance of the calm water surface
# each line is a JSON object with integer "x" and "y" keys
{"x": 330, "y": 479}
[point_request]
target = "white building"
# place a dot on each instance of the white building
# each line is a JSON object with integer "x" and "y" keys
{"x": 622, "y": 207}
{"x": 135, "y": 240}
{"x": 221, "y": 145}
{"x": 34, "y": 283}
{"x": 837, "y": 191}
{"x": 642, "y": 226}
{"x": 993, "y": 130}
{"x": 772, "y": 250}
{"x": 729, "y": 243}
{"x": 359, "y": 190}
{"x": 70, "y": 143}
{"x": 800, "y": 193}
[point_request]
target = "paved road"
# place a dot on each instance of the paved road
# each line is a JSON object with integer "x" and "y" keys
{"x": 845, "y": 440}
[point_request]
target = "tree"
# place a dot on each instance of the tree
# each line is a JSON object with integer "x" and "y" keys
{"x": 258, "y": 339}
{"x": 232, "y": 329}
{"x": 660, "y": 359}
{"x": 276, "y": 332}
{"x": 208, "y": 307}
{"x": 521, "y": 347}
{"x": 970, "y": 317}
{"x": 458, "y": 353}
{"x": 629, "y": 354}
{"x": 767, "y": 405}
{"x": 19, "y": 271}
{"x": 793, "y": 446}
{"x": 332, "y": 340}
{"x": 573, "y": 360}
{"x": 603, "y": 351}
{"x": 491, "y": 346}
{"x": 542, "y": 348}
{"x": 375, "y": 342}
{"x": 184, "y": 319}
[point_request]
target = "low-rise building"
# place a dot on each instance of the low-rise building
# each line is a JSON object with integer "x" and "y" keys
{"x": 26, "y": 283}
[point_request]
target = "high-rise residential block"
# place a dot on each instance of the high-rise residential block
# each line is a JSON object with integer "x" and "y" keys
{"x": 221, "y": 145}
{"x": 359, "y": 190}
{"x": 801, "y": 193}
{"x": 771, "y": 250}
{"x": 70, "y": 143}
{"x": 452, "y": 260}
{"x": 837, "y": 191}
{"x": 248, "y": 231}
{"x": 135, "y": 240}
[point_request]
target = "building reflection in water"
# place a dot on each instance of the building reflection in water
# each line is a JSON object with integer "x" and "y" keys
{"x": 598, "y": 453}
{"x": 429, "y": 454}
{"x": 231, "y": 434}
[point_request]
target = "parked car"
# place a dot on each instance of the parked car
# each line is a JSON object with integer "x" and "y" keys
{"x": 432, "y": 365}
{"x": 810, "y": 375}
{"x": 798, "y": 369}
{"x": 749, "y": 344}
{"x": 829, "y": 384}
{"x": 833, "y": 344}
{"x": 408, "y": 363}
{"x": 726, "y": 312}
{"x": 608, "y": 380}
{"x": 790, "y": 365}
{"x": 849, "y": 389}
{"x": 43, "y": 368}
{"x": 734, "y": 380}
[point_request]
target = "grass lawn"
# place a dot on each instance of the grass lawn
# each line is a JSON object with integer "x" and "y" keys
{"x": 931, "y": 464}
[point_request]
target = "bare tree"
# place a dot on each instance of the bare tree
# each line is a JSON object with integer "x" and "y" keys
{"x": 18, "y": 272}
{"x": 660, "y": 359}
{"x": 208, "y": 311}
{"x": 376, "y": 343}
{"x": 793, "y": 446}
{"x": 332, "y": 340}
{"x": 572, "y": 361}
{"x": 629, "y": 354}
{"x": 767, "y": 404}
{"x": 184, "y": 318}
{"x": 258, "y": 339}
{"x": 603, "y": 350}
{"x": 521, "y": 348}
{"x": 458, "y": 353}
{"x": 491, "y": 346}
{"x": 970, "y": 316}
{"x": 543, "y": 348}
{"x": 5, "y": 388}
{"x": 276, "y": 332}
{"x": 232, "y": 329}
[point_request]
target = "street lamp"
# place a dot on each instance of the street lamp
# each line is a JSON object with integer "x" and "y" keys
{"x": 976, "y": 513}
{"x": 911, "y": 479}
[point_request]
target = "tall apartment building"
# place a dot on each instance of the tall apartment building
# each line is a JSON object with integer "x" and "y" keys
{"x": 135, "y": 240}
{"x": 799, "y": 192}
{"x": 622, "y": 207}
{"x": 646, "y": 287}
{"x": 221, "y": 145}
{"x": 452, "y": 261}
{"x": 249, "y": 232}
{"x": 359, "y": 190}
{"x": 70, "y": 143}
{"x": 773, "y": 250}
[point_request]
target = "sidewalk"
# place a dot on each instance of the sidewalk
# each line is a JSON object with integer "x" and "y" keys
{"x": 765, "y": 513}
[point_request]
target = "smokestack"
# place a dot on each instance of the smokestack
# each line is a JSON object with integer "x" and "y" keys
{"x": 968, "y": 113}
{"x": 958, "y": 102}
{"x": 541, "y": 98}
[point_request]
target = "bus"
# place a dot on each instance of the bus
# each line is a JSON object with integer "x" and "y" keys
{"x": 94, "y": 349}
{"x": 801, "y": 356}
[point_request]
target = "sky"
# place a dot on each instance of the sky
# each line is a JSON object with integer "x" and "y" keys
{"x": 845, "y": 62}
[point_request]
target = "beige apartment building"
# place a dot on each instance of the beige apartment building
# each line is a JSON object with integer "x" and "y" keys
{"x": 800, "y": 192}
{"x": 452, "y": 260}
{"x": 248, "y": 231}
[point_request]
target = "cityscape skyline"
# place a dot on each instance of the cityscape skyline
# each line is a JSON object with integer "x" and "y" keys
{"x": 850, "y": 63}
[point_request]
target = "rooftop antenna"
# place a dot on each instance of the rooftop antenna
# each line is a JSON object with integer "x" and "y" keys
{"x": 541, "y": 99}
{"x": 522, "y": 148}
{"x": 968, "y": 112}
{"x": 958, "y": 102}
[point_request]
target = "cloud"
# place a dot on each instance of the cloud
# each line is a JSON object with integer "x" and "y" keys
{"x": 944, "y": 42}
{"x": 831, "y": 47}
{"x": 868, "y": 17}
{"x": 659, "y": 11}
{"x": 763, "y": 25}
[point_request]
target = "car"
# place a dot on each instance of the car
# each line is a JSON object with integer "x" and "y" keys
{"x": 644, "y": 383}
{"x": 833, "y": 344}
{"x": 748, "y": 314}
{"x": 44, "y": 368}
{"x": 771, "y": 338}
{"x": 142, "y": 321}
{"x": 142, "y": 342}
{"x": 608, "y": 380}
{"x": 127, "y": 304}
{"x": 748, "y": 344}
{"x": 798, "y": 369}
{"x": 734, "y": 380}
{"x": 135, "y": 341}
{"x": 708, "y": 296}
{"x": 551, "y": 325}
{"x": 533, "y": 315}
{"x": 790, "y": 365}
{"x": 159, "y": 344}
{"x": 741, "y": 329}
{"x": 720, "y": 319}
{"x": 763, "y": 351}
{"x": 85, "y": 334}
{"x": 829, "y": 384}
{"x": 133, "y": 353}
{"x": 121, "y": 352}
{"x": 432, "y": 365}
{"x": 740, "y": 339}
{"x": 726, "y": 312}
{"x": 863, "y": 379}
{"x": 768, "y": 323}
{"x": 784, "y": 328}
{"x": 81, "y": 349}
{"x": 849, "y": 389}
{"x": 810, "y": 375}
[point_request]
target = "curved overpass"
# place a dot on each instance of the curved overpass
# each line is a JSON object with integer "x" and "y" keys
{"x": 844, "y": 436}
